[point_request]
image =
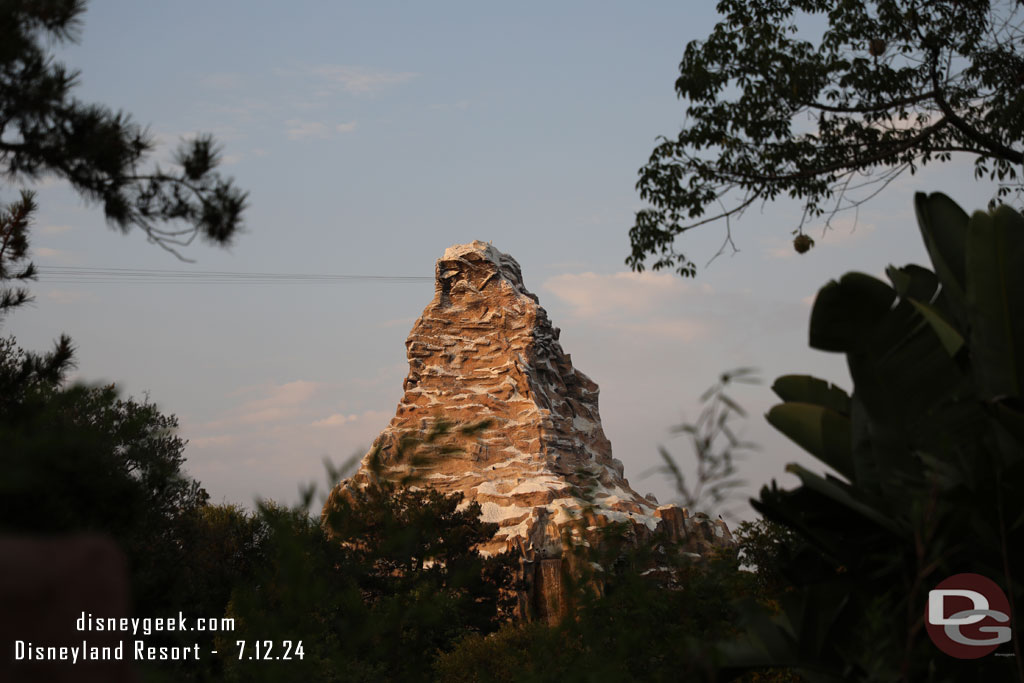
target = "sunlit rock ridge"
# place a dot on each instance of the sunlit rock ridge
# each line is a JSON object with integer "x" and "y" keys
{"x": 484, "y": 349}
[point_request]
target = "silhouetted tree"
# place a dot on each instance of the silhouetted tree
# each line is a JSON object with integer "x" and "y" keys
{"x": 81, "y": 459}
{"x": 45, "y": 131}
{"x": 888, "y": 86}
{"x": 388, "y": 580}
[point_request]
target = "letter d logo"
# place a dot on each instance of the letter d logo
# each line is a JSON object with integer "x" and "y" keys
{"x": 936, "y": 603}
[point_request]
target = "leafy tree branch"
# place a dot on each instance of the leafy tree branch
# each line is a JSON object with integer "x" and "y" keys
{"x": 886, "y": 87}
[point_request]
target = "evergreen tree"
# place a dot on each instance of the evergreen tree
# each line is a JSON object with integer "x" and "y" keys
{"x": 81, "y": 459}
{"x": 389, "y": 579}
{"x": 46, "y": 132}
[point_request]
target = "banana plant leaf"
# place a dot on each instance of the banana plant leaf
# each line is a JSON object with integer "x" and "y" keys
{"x": 808, "y": 389}
{"x": 995, "y": 301}
{"x": 821, "y": 431}
{"x": 944, "y": 229}
{"x": 843, "y": 495}
{"x": 951, "y": 339}
{"x": 846, "y": 309}
{"x": 913, "y": 282}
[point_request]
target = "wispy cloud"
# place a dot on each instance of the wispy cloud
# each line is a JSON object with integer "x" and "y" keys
{"x": 780, "y": 251}
{"x": 64, "y": 296}
{"x": 683, "y": 329}
{"x": 291, "y": 405}
{"x": 377, "y": 417}
{"x": 335, "y": 420}
{"x": 591, "y": 295}
{"x": 222, "y": 81}
{"x": 219, "y": 440}
{"x": 51, "y": 254}
{"x": 297, "y": 129}
{"x": 244, "y": 110}
{"x": 633, "y": 303}
{"x": 359, "y": 80}
{"x": 55, "y": 229}
{"x": 279, "y": 402}
{"x": 279, "y": 441}
{"x": 266, "y": 405}
{"x": 461, "y": 105}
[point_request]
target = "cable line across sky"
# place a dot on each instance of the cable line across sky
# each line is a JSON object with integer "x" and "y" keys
{"x": 91, "y": 275}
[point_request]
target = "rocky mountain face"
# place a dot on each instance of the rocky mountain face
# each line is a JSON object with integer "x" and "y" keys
{"x": 542, "y": 469}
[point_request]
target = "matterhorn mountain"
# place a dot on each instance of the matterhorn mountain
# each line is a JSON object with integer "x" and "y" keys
{"x": 542, "y": 469}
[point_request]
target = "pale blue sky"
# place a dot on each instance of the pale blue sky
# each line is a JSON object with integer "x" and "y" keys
{"x": 370, "y": 137}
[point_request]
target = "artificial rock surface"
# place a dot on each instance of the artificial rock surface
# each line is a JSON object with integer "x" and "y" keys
{"x": 484, "y": 349}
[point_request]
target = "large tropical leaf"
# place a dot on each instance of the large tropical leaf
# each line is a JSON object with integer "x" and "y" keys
{"x": 944, "y": 229}
{"x": 821, "y": 431}
{"x": 995, "y": 301}
{"x": 931, "y": 441}
{"x": 845, "y": 310}
{"x": 903, "y": 374}
{"x": 950, "y": 337}
{"x": 844, "y": 495}
{"x": 912, "y": 281}
{"x": 808, "y": 389}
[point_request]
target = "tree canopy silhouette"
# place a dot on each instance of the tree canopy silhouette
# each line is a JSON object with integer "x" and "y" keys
{"x": 887, "y": 88}
{"x": 46, "y": 132}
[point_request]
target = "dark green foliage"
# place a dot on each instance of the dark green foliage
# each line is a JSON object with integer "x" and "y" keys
{"x": 408, "y": 541}
{"x": 23, "y": 372}
{"x": 14, "y": 264}
{"x": 215, "y": 548}
{"x": 516, "y": 653}
{"x": 929, "y": 451}
{"x": 830, "y": 120}
{"x": 223, "y": 545}
{"x": 644, "y": 630}
{"x": 295, "y": 594}
{"x": 766, "y": 547}
{"x": 642, "y": 625}
{"x": 375, "y": 592}
{"x": 80, "y": 458}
